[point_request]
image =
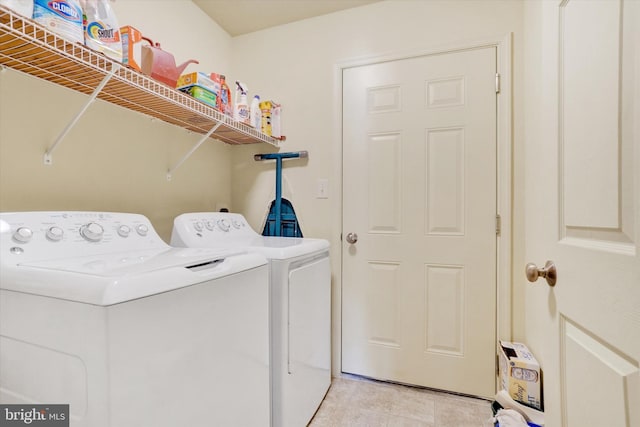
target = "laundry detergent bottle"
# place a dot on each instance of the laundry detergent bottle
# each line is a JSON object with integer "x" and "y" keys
{"x": 63, "y": 17}
{"x": 101, "y": 29}
{"x": 255, "y": 113}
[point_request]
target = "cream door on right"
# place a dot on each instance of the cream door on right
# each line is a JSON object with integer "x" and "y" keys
{"x": 582, "y": 138}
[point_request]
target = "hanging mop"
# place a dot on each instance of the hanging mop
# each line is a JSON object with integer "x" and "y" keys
{"x": 281, "y": 219}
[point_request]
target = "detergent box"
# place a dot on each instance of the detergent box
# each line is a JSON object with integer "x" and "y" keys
{"x": 520, "y": 374}
{"x": 202, "y": 87}
{"x": 202, "y": 94}
{"x": 131, "y": 39}
{"x": 198, "y": 79}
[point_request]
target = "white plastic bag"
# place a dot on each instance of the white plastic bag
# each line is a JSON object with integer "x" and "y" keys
{"x": 509, "y": 418}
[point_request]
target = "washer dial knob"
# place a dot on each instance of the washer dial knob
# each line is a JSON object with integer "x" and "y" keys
{"x": 237, "y": 223}
{"x": 223, "y": 224}
{"x": 198, "y": 226}
{"x": 209, "y": 224}
{"x": 23, "y": 235}
{"x": 92, "y": 232}
{"x": 124, "y": 231}
{"x": 142, "y": 229}
{"x": 55, "y": 234}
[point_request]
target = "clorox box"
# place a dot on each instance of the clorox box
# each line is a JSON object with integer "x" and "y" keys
{"x": 520, "y": 374}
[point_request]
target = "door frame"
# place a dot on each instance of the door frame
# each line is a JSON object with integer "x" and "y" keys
{"x": 504, "y": 144}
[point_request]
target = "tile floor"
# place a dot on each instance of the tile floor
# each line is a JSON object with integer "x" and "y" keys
{"x": 354, "y": 401}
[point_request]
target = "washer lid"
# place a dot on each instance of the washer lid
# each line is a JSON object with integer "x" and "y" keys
{"x": 134, "y": 262}
{"x": 119, "y": 277}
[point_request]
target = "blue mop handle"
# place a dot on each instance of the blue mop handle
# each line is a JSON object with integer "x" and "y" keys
{"x": 279, "y": 196}
{"x": 273, "y": 156}
{"x": 278, "y": 158}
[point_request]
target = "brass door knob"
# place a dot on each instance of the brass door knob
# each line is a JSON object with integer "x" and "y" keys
{"x": 549, "y": 273}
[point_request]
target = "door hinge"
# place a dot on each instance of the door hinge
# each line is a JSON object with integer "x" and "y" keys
{"x": 497, "y": 82}
{"x": 498, "y": 225}
{"x": 497, "y": 365}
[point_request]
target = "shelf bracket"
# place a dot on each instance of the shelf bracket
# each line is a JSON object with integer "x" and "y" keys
{"x": 48, "y": 159}
{"x": 195, "y": 147}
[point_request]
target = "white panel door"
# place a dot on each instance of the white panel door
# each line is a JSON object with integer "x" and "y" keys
{"x": 419, "y": 285}
{"x": 583, "y": 213}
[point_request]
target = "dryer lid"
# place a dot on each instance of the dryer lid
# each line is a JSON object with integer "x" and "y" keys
{"x": 286, "y": 247}
{"x": 231, "y": 230}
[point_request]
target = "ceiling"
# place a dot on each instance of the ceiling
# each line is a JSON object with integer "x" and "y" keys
{"x": 239, "y": 17}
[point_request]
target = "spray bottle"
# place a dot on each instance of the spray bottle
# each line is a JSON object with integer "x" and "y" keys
{"x": 242, "y": 107}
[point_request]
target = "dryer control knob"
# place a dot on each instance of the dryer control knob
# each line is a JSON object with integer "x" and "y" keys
{"x": 210, "y": 225}
{"x": 92, "y": 232}
{"x": 55, "y": 234}
{"x": 142, "y": 229}
{"x": 198, "y": 226}
{"x": 237, "y": 224}
{"x": 23, "y": 235}
{"x": 124, "y": 231}
{"x": 224, "y": 225}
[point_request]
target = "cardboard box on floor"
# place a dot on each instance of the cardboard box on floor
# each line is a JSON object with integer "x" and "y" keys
{"x": 520, "y": 374}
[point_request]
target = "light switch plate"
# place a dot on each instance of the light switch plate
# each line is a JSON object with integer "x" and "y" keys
{"x": 322, "y": 190}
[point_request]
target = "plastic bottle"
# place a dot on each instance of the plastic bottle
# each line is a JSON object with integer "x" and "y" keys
{"x": 101, "y": 29}
{"x": 256, "y": 114}
{"x": 276, "y": 110}
{"x": 242, "y": 107}
{"x": 225, "y": 97}
{"x": 21, "y": 7}
{"x": 63, "y": 17}
{"x": 265, "y": 110}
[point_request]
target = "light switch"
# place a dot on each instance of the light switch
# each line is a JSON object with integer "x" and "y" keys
{"x": 322, "y": 191}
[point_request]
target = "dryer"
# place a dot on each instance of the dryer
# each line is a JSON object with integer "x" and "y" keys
{"x": 98, "y": 312}
{"x": 300, "y": 283}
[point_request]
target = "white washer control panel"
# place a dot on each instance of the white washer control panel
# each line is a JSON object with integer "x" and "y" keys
{"x": 32, "y": 234}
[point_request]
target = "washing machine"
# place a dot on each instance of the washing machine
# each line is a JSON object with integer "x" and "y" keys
{"x": 300, "y": 283}
{"x": 97, "y": 312}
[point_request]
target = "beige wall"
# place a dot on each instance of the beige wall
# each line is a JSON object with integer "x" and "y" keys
{"x": 114, "y": 159}
{"x": 298, "y": 65}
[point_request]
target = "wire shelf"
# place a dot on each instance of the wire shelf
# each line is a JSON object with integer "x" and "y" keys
{"x": 28, "y": 47}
